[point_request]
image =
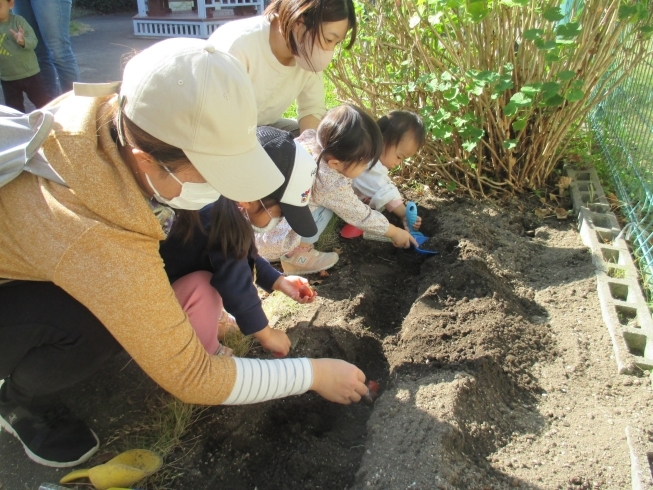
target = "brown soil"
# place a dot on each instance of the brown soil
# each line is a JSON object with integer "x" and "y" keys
{"x": 494, "y": 364}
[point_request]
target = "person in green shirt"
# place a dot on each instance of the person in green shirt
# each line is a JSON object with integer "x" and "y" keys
{"x": 19, "y": 68}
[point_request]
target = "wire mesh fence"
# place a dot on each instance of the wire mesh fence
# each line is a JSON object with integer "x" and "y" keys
{"x": 623, "y": 125}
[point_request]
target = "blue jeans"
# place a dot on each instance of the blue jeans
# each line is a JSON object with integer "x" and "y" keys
{"x": 322, "y": 216}
{"x": 50, "y": 20}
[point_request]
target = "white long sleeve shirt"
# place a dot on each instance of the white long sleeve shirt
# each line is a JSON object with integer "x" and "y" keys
{"x": 376, "y": 184}
{"x": 276, "y": 86}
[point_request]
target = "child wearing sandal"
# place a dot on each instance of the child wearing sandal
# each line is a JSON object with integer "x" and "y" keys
{"x": 216, "y": 271}
{"x": 403, "y": 136}
{"x": 345, "y": 141}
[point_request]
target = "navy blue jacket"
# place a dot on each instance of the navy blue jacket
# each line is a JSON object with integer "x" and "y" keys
{"x": 233, "y": 279}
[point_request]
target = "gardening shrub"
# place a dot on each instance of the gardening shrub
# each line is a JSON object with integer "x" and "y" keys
{"x": 107, "y": 6}
{"x": 501, "y": 84}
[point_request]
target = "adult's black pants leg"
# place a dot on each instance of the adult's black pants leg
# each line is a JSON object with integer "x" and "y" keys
{"x": 48, "y": 342}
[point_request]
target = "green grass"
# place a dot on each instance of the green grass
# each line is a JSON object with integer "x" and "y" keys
{"x": 162, "y": 431}
{"x": 239, "y": 343}
{"x": 277, "y": 306}
{"x": 77, "y": 28}
{"x": 329, "y": 238}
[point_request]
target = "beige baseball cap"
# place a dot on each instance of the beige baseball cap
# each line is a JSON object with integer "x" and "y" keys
{"x": 190, "y": 95}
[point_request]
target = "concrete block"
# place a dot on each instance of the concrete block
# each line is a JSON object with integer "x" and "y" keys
{"x": 585, "y": 189}
{"x": 629, "y": 322}
{"x": 640, "y": 458}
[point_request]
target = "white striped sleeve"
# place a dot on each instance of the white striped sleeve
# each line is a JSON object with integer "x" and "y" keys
{"x": 258, "y": 380}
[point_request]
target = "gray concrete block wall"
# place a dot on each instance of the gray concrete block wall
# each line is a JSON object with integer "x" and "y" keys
{"x": 623, "y": 304}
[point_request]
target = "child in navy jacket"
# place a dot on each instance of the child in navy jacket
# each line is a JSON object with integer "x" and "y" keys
{"x": 216, "y": 268}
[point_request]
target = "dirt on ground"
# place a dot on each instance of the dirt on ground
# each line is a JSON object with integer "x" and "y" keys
{"x": 495, "y": 369}
{"x": 494, "y": 365}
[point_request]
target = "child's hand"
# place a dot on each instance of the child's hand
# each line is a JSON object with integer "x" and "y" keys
{"x": 338, "y": 381}
{"x": 274, "y": 340}
{"x": 418, "y": 223}
{"x": 400, "y": 238}
{"x": 296, "y": 288}
{"x": 19, "y": 36}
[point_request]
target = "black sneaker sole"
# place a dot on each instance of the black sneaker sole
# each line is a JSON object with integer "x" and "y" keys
{"x": 54, "y": 464}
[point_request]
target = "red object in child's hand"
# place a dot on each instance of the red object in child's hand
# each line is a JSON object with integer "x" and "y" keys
{"x": 307, "y": 292}
{"x": 372, "y": 392}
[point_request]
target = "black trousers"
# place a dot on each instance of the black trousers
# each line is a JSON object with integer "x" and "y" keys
{"x": 48, "y": 341}
{"x": 33, "y": 87}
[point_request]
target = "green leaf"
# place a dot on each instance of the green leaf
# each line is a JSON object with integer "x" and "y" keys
{"x": 519, "y": 123}
{"x": 446, "y": 76}
{"x": 442, "y": 132}
{"x": 450, "y": 94}
{"x": 470, "y": 146}
{"x": 472, "y": 133}
{"x": 442, "y": 115}
{"x": 477, "y": 9}
{"x": 521, "y": 100}
{"x": 510, "y": 109}
{"x": 566, "y": 75}
{"x": 459, "y": 122}
{"x": 462, "y": 98}
{"x": 451, "y": 186}
{"x": 515, "y": 3}
{"x": 503, "y": 85}
{"x": 487, "y": 76}
{"x": 577, "y": 84}
{"x": 476, "y": 89}
{"x": 574, "y": 95}
{"x": 509, "y": 144}
{"x": 551, "y": 57}
{"x": 414, "y": 21}
{"x": 412, "y": 86}
{"x": 533, "y": 34}
{"x": 532, "y": 89}
{"x": 569, "y": 30}
{"x": 626, "y": 11}
{"x": 646, "y": 30}
{"x": 556, "y": 100}
{"x": 553, "y": 14}
{"x": 545, "y": 45}
{"x": 549, "y": 89}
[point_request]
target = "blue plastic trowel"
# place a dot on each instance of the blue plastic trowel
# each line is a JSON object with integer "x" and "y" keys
{"x": 411, "y": 217}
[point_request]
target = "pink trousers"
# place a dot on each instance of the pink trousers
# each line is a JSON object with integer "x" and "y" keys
{"x": 203, "y": 305}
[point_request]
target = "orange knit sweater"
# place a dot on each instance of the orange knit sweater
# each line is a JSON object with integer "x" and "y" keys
{"x": 99, "y": 241}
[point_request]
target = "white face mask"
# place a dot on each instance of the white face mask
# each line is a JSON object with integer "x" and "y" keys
{"x": 269, "y": 227}
{"x": 319, "y": 58}
{"x": 194, "y": 196}
{"x": 274, "y": 221}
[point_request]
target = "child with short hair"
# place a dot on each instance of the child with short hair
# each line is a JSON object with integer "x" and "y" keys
{"x": 403, "y": 136}
{"x": 212, "y": 273}
{"x": 19, "y": 69}
{"x": 346, "y": 141}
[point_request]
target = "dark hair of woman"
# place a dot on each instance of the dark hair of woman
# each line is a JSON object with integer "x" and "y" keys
{"x": 350, "y": 135}
{"x": 398, "y": 124}
{"x": 312, "y": 13}
{"x": 231, "y": 232}
{"x": 163, "y": 155}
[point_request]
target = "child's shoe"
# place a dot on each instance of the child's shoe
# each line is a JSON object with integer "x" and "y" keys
{"x": 308, "y": 262}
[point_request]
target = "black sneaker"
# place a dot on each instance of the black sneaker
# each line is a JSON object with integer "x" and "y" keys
{"x": 56, "y": 438}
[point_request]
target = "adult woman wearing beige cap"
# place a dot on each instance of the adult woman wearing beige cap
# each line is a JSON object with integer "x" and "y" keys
{"x": 80, "y": 248}
{"x": 285, "y": 51}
